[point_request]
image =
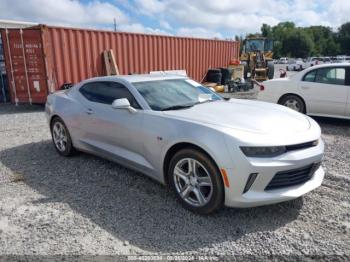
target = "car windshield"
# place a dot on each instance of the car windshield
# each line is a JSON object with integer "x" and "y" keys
{"x": 174, "y": 94}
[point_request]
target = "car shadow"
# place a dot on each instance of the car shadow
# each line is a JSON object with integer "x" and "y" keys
{"x": 133, "y": 207}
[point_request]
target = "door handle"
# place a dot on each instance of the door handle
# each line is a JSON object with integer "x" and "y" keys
{"x": 305, "y": 87}
{"x": 89, "y": 111}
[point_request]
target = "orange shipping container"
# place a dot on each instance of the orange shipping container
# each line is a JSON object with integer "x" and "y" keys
{"x": 40, "y": 59}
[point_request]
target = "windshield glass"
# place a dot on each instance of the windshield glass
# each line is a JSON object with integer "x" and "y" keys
{"x": 174, "y": 94}
{"x": 255, "y": 45}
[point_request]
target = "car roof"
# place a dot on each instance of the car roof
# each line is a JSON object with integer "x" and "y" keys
{"x": 139, "y": 78}
{"x": 330, "y": 65}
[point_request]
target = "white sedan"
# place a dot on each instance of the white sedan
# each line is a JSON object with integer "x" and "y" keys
{"x": 295, "y": 65}
{"x": 322, "y": 90}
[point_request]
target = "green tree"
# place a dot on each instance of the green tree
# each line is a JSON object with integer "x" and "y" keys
{"x": 290, "y": 40}
{"x": 266, "y": 31}
{"x": 344, "y": 38}
{"x": 324, "y": 40}
{"x": 297, "y": 43}
{"x": 278, "y": 34}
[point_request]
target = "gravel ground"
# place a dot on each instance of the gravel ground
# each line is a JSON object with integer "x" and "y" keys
{"x": 84, "y": 205}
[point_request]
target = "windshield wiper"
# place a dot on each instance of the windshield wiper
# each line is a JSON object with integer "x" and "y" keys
{"x": 176, "y": 107}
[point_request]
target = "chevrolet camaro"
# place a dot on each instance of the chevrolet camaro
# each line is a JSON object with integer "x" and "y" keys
{"x": 209, "y": 150}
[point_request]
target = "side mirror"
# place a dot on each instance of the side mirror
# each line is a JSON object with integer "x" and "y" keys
{"x": 123, "y": 103}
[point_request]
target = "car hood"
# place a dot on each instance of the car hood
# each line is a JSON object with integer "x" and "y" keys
{"x": 251, "y": 116}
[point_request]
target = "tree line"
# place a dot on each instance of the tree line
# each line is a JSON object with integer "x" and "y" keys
{"x": 292, "y": 41}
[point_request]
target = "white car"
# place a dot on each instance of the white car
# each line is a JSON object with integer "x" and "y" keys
{"x": 295, "y": 65}
{"x": 210, "y": 151}
{"x": 283, "y": 60}
{"x": 322, "y": 90}
{"x": 312, "y": 61}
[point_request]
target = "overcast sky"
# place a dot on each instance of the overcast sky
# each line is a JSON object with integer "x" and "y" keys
{"x": 201, "y": 18}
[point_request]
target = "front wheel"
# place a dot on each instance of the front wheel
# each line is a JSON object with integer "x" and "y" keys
{"x": 61, "y": 137}
{"x": 293, "y": 102}
{"x": 196, "y": 181}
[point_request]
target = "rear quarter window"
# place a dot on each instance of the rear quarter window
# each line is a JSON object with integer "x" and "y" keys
{"x": 310, "y": 76}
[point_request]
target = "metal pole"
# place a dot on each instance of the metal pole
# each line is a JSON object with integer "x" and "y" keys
{"x": 12, "y": 76}
{"x": 25, "y": 67}
{"x": 115, "y": 24}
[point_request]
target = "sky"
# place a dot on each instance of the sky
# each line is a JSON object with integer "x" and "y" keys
{"x": 197, "y": 18}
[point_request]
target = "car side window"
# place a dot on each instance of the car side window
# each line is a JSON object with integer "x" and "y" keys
{"x": 107, "y": 92}
{"x": 310, "y": 77}
{"x": 331, "y": 76}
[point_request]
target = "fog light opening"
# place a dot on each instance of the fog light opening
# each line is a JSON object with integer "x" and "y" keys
{"x": 250, "y": 182}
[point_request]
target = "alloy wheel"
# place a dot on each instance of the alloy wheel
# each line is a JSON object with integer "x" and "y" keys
{"x": 59, "y": 136}
{"x": 193, "y": 182}
{"x": 293, "y": 104}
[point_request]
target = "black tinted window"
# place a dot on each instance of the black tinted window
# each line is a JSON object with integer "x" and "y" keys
{"x": 107, "y": 92}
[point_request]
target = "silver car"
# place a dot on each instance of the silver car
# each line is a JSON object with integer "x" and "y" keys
{"x": 211, "y": 151}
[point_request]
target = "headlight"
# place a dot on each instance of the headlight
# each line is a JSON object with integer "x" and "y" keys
{"x": 263, "y": 151}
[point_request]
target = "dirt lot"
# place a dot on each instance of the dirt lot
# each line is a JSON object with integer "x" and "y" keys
{"x": 84, "y": 205}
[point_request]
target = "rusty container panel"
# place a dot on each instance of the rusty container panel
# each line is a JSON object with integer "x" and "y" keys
{"x": 69, "y": 55}
{"x": 25, "y": 65}
{"x": 76, "y": 54}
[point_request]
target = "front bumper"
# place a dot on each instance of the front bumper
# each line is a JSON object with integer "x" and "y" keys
{"x": 267, "y": 168}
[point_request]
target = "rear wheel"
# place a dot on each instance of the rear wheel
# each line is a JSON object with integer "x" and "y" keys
{"x": 271, "y": 69}
{"x": 61, "y": 137}
{"x": 196, "y": 181}
{"x": 293, "y": 102}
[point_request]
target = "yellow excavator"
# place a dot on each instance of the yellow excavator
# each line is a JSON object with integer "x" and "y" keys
{"x": 257, "y": 59}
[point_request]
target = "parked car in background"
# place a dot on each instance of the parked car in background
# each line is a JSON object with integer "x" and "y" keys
{"x": 322, "y": 90}
{"x": 211, "y": 152}
{"x": 295, "y": 65}
{"x": 283, "y": 60}
{"x": 343, "y": 59}
{"x": 312, "y": 61}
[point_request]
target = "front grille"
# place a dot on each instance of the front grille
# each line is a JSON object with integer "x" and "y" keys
{"x": 292, "y": 177}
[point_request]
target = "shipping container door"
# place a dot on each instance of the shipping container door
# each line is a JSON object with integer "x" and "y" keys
{"x": 25, "y": 64}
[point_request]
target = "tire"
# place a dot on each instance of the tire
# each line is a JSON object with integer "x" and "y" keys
{"x": 294, "y": 69}
{"x": 245, "y": 70}
{"x": 294, "y": 102}
{"x": 214, "y": 70}
{"x": 214, "y": 77}
{"x": 61, "y": 138}
{"x": 271, "y": 69}
{"x": 201, "y": 199}
{"x": 226, "y": 74}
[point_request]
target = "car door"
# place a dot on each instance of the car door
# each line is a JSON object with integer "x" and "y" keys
{"x": 113, "y": 133}
{"x": 325, "y": 91}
